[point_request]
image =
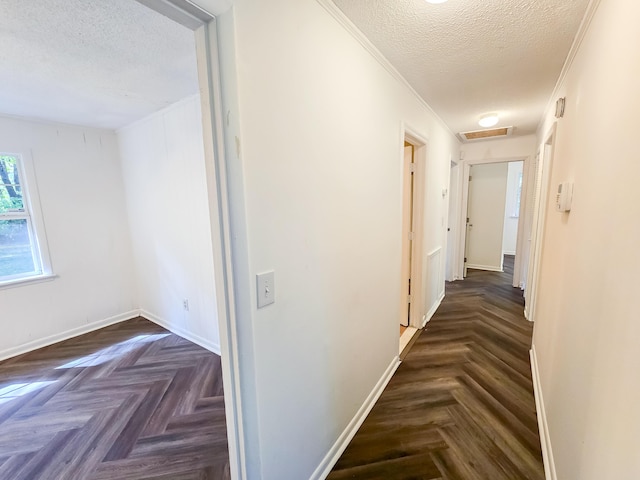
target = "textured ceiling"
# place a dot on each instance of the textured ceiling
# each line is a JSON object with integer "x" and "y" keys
{"x": 101, "y": 63}
{"x": 469, "y": 57}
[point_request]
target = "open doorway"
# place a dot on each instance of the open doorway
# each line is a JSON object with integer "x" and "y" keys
{"x": 492, "y": 219}
{"x": 411, "y": 286}
{"x": 200, "y": 17}
{"x": 408, "y": 201}
{"x": 176, "y": 272}
{"x": 542, "y": 176}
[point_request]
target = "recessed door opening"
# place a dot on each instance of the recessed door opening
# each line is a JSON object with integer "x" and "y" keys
{"x": 411, "y": 266}
{"x": 492, "y": 216}
{"x": 136, "y": 120}
{"x": 407, "y": 229}
{"x": 541, "y": 188}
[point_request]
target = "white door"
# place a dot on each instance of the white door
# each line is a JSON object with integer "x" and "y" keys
{"x": 407, "y": 232}
{"x": 485, "y": 213}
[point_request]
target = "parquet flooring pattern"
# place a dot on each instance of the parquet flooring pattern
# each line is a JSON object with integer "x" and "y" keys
{"x": 130, "y": 401}
{"x": 461, "y": 404}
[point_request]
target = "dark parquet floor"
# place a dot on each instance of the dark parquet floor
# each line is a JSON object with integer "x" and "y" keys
{"x": 130, "y": 401}
{"x": 461, "y": 404}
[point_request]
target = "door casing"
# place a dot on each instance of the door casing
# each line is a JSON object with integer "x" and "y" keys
{"x": 419, "y": 143}
{"x": 464, "y": 170}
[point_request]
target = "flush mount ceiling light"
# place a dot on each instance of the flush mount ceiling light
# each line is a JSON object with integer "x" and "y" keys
{"x": 436, "y": 1}
{"x": 488, "y": 120}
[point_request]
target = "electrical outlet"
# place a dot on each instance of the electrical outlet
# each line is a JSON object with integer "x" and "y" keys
{"x": 265, "y": 289}
{"x": 185, "y": 305}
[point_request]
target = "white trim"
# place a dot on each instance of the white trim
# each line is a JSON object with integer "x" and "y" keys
{"x": 414, "y": 135}
{"x": 216, "y": 158}
{"x": 97, "y": 325}
{"x": 463, "y": 180}
{"x": 406, "y": 337}
{"x": 184, "y": 12}
{"x": 489, "y": 268}
{"x": 181, "y": 332}
{"x": 439, "y": 281}
{"x": 349, "y": 432}
{"x": 543, "y": 426}
{"x": 59, "y": 337}
{"x": 420, "y": 160}
{"x": 545, "y": 164}
{"x": 20, "y": 282}
{"x": 355, "y": 32}
{"x": 32, "y": 213}
{"x": 573, "y": 51}
{"x": 509, "y": 252}
{"x": 432, "y": 310}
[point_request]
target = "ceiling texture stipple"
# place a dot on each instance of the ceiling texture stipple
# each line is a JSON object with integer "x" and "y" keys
{"x": 469, "y": 57}
{"x": 98, "y": 63}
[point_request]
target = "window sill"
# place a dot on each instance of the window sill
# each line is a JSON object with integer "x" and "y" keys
{"x": 27, "y": 281}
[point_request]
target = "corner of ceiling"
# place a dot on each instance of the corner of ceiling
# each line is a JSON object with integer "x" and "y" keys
{"x": 356, "y": 33}
{"x": 592, "y": 8}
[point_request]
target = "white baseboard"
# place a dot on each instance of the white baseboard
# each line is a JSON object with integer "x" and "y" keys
{"x": 543, "y": 426}
{"x": 432, "y": 310}
{"x": 349, "y": 432}
{"x": 406, "y": 337}
{"x": 59, "y": 337}
{"x": 490, "y": 268}
{"x": 198, "y": 340}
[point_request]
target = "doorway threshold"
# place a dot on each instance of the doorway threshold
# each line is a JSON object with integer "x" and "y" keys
{"x": 406, "y": 340}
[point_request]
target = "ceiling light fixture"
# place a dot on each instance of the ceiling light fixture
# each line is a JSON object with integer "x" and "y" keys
{"x": 436, "y": 1}
{"x": 489, "y": 120}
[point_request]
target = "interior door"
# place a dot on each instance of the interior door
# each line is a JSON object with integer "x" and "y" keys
{"x": 485, "y": 216}
{"x": 407, "y": 233}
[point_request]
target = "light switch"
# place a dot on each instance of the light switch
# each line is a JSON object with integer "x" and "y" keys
{"x": 266, "y": 288}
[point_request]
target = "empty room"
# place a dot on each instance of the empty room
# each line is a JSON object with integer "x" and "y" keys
{"x": 111, "y": 351}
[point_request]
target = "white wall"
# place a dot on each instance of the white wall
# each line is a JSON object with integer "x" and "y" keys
{"x": 502, "y": 149}
{"x": 82, "y": 198}
{"x": 486, "y": 211}
{"x": 511, "y": 213}
{"x": 587, "y": 333}
{"x": 315, "y": 147}
{"x": 169, "y": 220}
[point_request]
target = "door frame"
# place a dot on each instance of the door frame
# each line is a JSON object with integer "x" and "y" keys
{"x": 464, "y": 197}
{"x": 419, "y": 142}
{"x": 203, "y": 23}
{"x": 219, "y": 210}
{"x": 540, "y": 210}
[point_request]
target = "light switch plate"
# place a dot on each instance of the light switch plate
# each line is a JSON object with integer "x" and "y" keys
{"x": 265, "y": 288}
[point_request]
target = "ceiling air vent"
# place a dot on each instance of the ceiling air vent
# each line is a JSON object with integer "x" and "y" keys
{"x": 484, "y": 134}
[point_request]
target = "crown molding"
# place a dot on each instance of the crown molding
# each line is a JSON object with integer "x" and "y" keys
{"x": 356, "y": 33}
{"x": 573, "y": 51}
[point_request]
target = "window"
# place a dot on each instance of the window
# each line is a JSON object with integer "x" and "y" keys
{"x": 20, "y": 253}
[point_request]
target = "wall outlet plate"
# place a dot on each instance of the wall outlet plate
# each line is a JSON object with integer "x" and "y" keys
{"x": 265, "y": 288}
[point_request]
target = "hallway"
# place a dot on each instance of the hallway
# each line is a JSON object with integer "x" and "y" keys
{"x": 461, "y": 404}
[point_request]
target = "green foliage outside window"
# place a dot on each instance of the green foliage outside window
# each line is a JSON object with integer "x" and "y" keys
{"x": 10, "y": 188}
{"x": 15, "y": 244}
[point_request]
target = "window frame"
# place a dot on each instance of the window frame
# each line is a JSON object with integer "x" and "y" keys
{"x": 32, "y": 213}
